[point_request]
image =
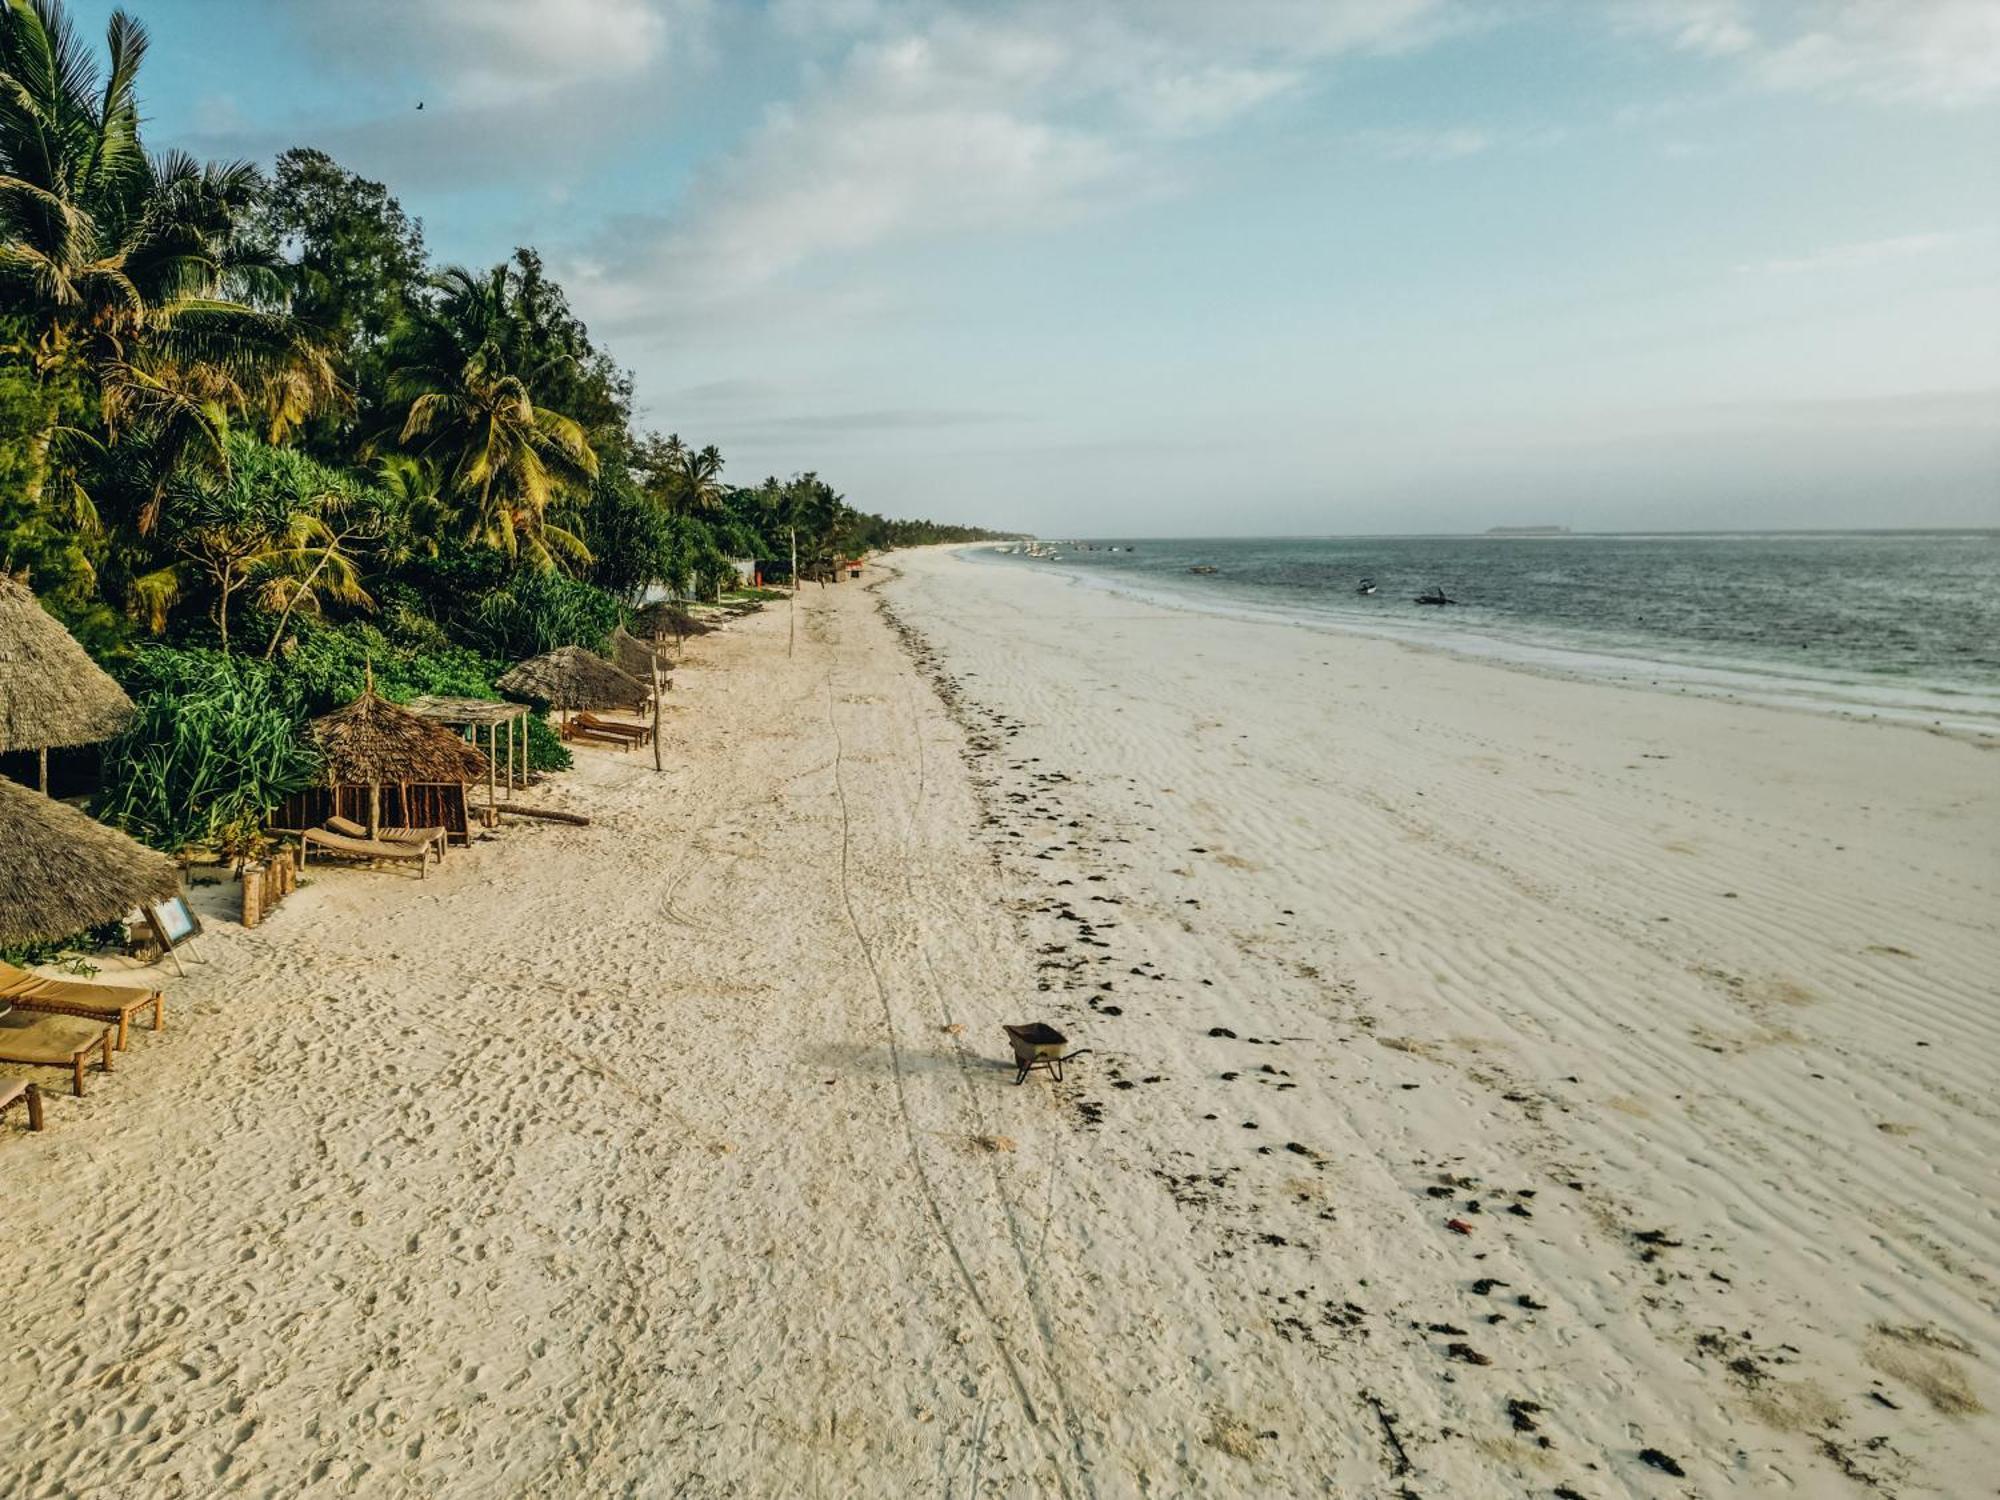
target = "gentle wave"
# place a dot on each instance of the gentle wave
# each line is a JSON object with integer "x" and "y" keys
{"x": 1902, "y": 626}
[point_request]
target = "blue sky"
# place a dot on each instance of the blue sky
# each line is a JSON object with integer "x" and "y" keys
{"x": 1186, "y": 266}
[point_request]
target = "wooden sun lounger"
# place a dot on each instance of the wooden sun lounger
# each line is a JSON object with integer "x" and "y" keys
{"x": 577, "y": 734}
{"x": 113, "y": 1004}
{"x": 339, "y": 843}
{"x": 53, "y": 1041}
{"x": 437, "y": 838}
{"x": 639, "y": 734}
{"x": 20, "y": 1088}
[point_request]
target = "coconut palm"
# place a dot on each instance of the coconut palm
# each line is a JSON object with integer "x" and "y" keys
{"x": 503, "y": 461}
{"x": 698, "y": 475}
{"x": 127, "y": 272}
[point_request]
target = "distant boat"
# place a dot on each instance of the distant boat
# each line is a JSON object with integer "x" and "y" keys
{"x": 1366, "y": 586}
{"x": 1435, "y": 596}
{"x": 1202, "y": 568}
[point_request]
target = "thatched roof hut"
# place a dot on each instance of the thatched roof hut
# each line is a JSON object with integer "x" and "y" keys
{"x": 51, "y": 693}
{"x": 61, "y": 872}
{"x": 375, "y": 743}
{"x": 571, "y": 677}
{"x": 634, "y": 657}
{"x": 669, "y": 620}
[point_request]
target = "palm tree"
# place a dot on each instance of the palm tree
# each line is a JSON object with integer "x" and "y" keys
{"x": 127, "y": 272}
{"x": 698, "y": 491}
{"x": 503, "y": 461}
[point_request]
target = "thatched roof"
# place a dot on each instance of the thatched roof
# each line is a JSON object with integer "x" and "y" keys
{"x": 51, "y": 692}
{"x": 571, "y": 677}
{"x": 669, "y": 620}
{"x": 61, "y": 872}
{"x": 635, "y": 657}
{"x": 374, "y": 740}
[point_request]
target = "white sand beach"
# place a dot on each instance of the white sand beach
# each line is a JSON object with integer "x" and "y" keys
{"x": 679, "y": 1154}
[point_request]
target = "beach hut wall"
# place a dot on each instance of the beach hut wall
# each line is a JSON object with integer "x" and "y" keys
{"x": 51, "y": 693}
{"x": 398, "y": 805}
{"x": 61, "y": 872}
{"x": 573, "y": 678}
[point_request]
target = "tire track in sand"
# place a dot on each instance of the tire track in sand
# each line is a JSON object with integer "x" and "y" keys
{"x": 911, "y": 1134}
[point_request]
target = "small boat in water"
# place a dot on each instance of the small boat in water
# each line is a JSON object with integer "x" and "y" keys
{"x": 1202, "y": 568}
{"x": 1435, "y": 596}
{"x": 1366, "y": 586}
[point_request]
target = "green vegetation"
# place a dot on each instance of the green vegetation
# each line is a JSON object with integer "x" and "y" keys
{"x": 253, "y": 445}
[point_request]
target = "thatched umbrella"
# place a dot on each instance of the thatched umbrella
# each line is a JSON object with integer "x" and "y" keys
{"x": 634, "y": 657}
{"x": 51, "y": 693}
{"x": 61, "y": 872}
{"x": 373, "y": 741}
{"x": 571, "y": 677}
{"x": 669, "y": 620}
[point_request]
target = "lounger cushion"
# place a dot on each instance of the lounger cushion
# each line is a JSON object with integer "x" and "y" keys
{"x": 26, "y": 1037}
{"x": 23, "y": 988}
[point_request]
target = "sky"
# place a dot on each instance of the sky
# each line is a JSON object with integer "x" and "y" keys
{"x": 1212, "y": 267}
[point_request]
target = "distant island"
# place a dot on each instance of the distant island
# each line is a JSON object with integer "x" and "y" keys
{"x": 1527, "y": 531}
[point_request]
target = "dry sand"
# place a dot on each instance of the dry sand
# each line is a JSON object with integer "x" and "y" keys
{"x": 677, "y": 1155}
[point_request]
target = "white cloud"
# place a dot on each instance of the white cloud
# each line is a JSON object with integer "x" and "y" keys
{"x": 927, "y": 122}
{"x": 1853, "y": 256}
{"x": 481, "y": 51}
{"x": 1714, "y": 28}
{"x": 1942, "y": 53}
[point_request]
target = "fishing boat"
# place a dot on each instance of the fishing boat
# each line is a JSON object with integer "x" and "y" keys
{"x": 1202, "y": 568}
{"x": 1366, "y": 586}
{"x": 1435, "y": 596}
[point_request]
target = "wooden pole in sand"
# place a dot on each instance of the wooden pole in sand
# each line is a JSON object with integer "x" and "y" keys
{"x": 658, "y": 764}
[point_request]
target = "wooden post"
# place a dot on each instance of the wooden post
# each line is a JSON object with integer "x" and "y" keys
{"x": 492, "y": 774}
{"x": 374, "y": 809}
{"x": 658, "y": 764}
{"x": 42, "y": 759}
{"x": 510, "y": 757}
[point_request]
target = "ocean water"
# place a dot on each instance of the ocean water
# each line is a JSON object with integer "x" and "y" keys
{"x": 1903, "y": 625}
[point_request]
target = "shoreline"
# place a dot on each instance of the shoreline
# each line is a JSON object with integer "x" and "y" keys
{"x": 683, "y": 1148}
{"x": 1761, "y": 684}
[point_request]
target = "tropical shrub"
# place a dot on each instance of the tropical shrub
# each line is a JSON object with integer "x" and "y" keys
{"x": 533, "y": 612}
{"x": 216, "y": 744}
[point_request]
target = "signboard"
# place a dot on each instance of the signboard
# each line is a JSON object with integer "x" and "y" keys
{"x": 173, "y": 926}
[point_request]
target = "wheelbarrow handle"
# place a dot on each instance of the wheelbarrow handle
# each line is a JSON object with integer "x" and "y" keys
{"x": 1080, "y": 1052}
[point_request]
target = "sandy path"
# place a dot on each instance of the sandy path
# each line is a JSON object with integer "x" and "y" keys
{"x": 641, "y": 1159}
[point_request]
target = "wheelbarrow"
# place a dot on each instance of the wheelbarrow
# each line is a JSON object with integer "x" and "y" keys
{"x": 1039, "y": 1045}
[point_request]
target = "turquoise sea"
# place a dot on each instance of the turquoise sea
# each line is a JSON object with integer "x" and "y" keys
{"x": 1897, "y": 624}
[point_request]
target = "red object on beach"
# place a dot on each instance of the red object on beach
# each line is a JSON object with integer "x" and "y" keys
{"x": 1458, "y": 1226}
